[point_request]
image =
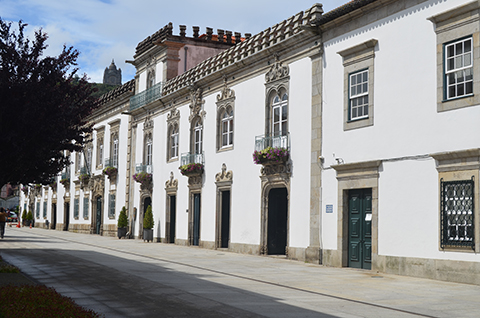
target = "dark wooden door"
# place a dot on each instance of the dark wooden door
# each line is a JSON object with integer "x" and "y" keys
{"x": 196, "y": 219}
{"x": 98, "y": 215}
{"x": 277, "y": 221}
{"x": 173, "y": 208}
{"x": 54, "y": 216}
{"x": 360, "y": 228}
{"x": 66, "y": 216}
{"x": 225, "y": 226}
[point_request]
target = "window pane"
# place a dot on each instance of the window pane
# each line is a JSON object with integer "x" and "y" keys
{"x": 468, "y": 87}
{"x": 224, "y": 140}
{"x": 365, "y": 88}
{"x": 458, "y": 62}
{"x": 353, "y": 80}
{"x": 284, "y": 113}
{"x": 459, "y": 76}
{"x": 451, "y": 91}
{"x": 284, "y": 128}
{"x": 458, "y": 48}
{"x": 354, "y": 91}
{"x": 284, "y": 97}
{"x": 460, "y": 90}
{"x": 230, "y": 138}
{"x": 365, "y": 110}
{"x": 468, "y": 59}
{"x": 354, "y": 113}
{"x": 450, "y": 51}
{"x": 451, "y": 79}
{"x": 365, "y": 76}
{"x": 467, "y": 46}
{"x": 359, "y": 78}
{"x": 276, "y": 114}
{"x": 450, "y": 64}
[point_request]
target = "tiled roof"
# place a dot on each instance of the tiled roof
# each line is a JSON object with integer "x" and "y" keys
{"x": 118, "y": 91}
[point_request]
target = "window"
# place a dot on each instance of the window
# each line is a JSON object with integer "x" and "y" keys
{"x": 76, "y": 207}
{"x": 227, "y": 127}
{"x": 358, "y": 63}
{"x": 148, "y": 150}
{"x": 99, "y": 160}
{"x": 111, "y": 205}
{"x": 173, "y": 142}
{"x": 44, "y": 210}
{"x": 114, "y": 150}
{"x": 458, "y": 53}
{"x": 280, "y": 116}
{"x": 459, "y": 213}
{"x": 150, "y": 79}
{"x": 358, "y": 95}
{"x": 89, "y": 158}
{"x": 85, "y": 208}
{"x": 459, "y": 68}
{"x": 78, "y": 161}
{"x": 37, "y": 212}
{"x": 198, "y": 135}
{"x": 457, "y": 227}
{"x": 225, "y": 112}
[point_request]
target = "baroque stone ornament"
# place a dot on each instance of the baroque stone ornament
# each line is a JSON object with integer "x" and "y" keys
{"x": 224, "y": 176}
{"x": 97, "y": 184}
{"x": 195, "y": 180}
{"x": 226, "y": 93}
{"x": 196, "y": 102}
{"x": 276, "y": 168}
{"x": 171, "y": 183}
{"x": 174, "y": 114}
{"x": 277, "y": 71}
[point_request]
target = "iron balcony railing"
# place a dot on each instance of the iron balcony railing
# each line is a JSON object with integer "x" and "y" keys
{"x": 272, "y": 140}
{"x": 188, "y": 158}
{"x": 146, "y": 97}
{"x": 140, "y": 167}
{"x": 109, "y": 162}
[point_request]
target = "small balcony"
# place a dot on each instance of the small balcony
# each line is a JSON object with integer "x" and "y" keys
{"x": 143, "y": 168}
{"x": 188, "y": 158}
{"x": 272, "y": 140}
{"x": 110, "y": 162}
{"x": 146, "y": 97}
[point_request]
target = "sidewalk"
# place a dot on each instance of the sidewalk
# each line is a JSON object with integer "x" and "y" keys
{"x": 240, "y": 285}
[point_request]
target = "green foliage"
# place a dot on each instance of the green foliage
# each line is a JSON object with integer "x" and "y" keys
{"x": 29, "y": 216}
{"x": 24, "y": 215}
{"x": 102, "y": 89}
{"x": 148, "y": 218}
{"x": 39, "y": 301}
{"x": 122, "y": 218}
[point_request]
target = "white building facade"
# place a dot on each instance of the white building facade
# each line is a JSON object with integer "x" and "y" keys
{"x": 369, "y": 113}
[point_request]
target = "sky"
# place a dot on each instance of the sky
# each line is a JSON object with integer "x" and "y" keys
{"x": 102, "y": 30}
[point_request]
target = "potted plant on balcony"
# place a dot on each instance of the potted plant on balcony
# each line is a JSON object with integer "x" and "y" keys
{"x": 65, "y": 182}
{"x": 148, "y": 225}
{"x": 110, "y": 172}
{"x": 84, "y": 178}
{"x": 122, "y": 223}
{"x": 142, "y": 177}
{"x": 270, "y": 155}
{"x": 191, "y": 169}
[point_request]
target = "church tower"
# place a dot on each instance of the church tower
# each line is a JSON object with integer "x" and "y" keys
{"x": 111, "y": 75}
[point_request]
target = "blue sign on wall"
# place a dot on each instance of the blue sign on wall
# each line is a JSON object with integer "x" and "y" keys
{"x": 329, "y": 208}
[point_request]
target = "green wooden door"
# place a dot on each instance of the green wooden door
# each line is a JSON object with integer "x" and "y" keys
{"x": 225, "y": 226}
{"x": 98, "y": 217}
{"x": 277, "y": 221}
{"x": 196, "y": 219}
{"x": 173, "y": 209}
{"x": 360, "y": 228}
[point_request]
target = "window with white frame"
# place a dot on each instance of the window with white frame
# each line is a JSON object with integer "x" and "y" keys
{"x": 114, "y": 151}
{"x": 358, "y": 81}
{"x": 358, "y": 90}
{"x": 99, "y": 150}
{"x": 111, "y": 205}
{"x": 89, "y": 158}
{"x": 280, "y": 115}
{"x": 76, "y": 207}
{"x": 227, "y": 127}
{"x": 198, "y": 137}
{"x": 44, "y": 210}
{"x": 148, "y": 150}
{"x": 78, "y": 161}
{"x": 459, "y": 68}
{"x": 457, "y": 53}
{"x": 173, "y": 141}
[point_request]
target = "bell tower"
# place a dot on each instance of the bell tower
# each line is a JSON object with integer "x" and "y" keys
{"x": 111, "y": 75}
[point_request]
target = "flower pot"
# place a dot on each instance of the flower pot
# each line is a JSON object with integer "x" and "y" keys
{"x": 121, "y": 232}
{"x": 148, "y": 235}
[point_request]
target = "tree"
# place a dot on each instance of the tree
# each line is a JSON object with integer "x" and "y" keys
{"x": 148, "y": 219}
{"x": 43, "y": 107}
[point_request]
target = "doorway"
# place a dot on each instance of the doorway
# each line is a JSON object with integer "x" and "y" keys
{"x": 360, "y": 228}
{"x": 54, "y": 216}
{"x": 196, "y": 219}
{"x": 225, "y": 220}
{"x": 172, "y": 224}
{"x": 277, "y": 221}
{"x": 66, "y": 216}
{"x": 98, "y": 215}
